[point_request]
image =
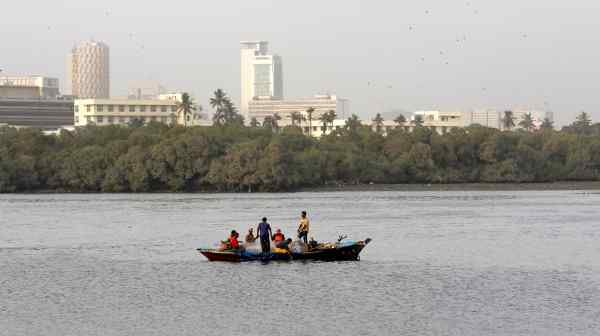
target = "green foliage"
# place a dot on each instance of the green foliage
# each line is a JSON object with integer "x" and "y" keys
{"x": 231, "y": 157}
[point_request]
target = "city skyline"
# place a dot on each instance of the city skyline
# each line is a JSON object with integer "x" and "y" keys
{"x": 381, "y": 56}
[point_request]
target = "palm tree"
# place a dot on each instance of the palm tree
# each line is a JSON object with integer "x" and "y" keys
{"x": 254, "y": 123}
{"x": 353, "y": 124}
{"x": 269, "y": 122}
{"x": 582, "y": 120}
{"x": 309, "y": 115}
{"x": 296, "y": 117}
{"x": 185, "y": 107}
{"x": 527, "y": 122}
{"x": 547, "y": 124}
{"x": 418, "y": 120}
{"x": 400, "y": 120}
{"x": 276, "y": 119}
{"x": 509, "y": 120}
{"x": 324, "y": 118}
{"x": 219, "y": 103}
{"x": 331, "y": 115}
{"x": 378, "y": 123}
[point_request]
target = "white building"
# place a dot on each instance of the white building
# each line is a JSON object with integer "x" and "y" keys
{"x": 538, "y": 116}
{"x": 123, "y": 111}
{"x": 29, "y": 87}
{"x": 485, "y": 117}
{"x": 260, "y": 108}
{"x": 261, "y": 74}
{"x": 89, "y": 70}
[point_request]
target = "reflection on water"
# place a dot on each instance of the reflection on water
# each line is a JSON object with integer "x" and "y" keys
{"x": 441, "y": 263}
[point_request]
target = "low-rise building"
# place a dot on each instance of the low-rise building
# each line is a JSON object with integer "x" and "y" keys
{"x": 123, "y": 111}
{"x": 29, "y": 87}
{"x": 260, "y": 108}
{"x": 485, "y": 117}
{"x": 40, "y": 113}
{"x": 34, "y": 101}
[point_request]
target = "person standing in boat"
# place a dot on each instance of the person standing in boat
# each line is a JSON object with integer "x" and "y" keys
{"x": 264, "y": 233}
{"x": 303, "y": 228}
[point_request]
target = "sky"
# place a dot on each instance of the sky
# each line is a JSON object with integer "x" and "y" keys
{"x": 382, "y": 55}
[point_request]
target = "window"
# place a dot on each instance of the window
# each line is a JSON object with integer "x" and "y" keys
{"x": 121, "y": 108}
{"x": 122, "y": 120}
{"x": 153, "y": 118}
{"x": 76, "y": 108}
{"x": 99, "y": 108}
{"x": 163, "y": 109}
{"x": 87, "y": 108}
{"x": 88, "y": 119}
{"x": 142, "y": 108}
{"x": 111, "y": 119}
{"x": 131, "y": 108}
{"x": 152, "y": 108}
{"x": 111, "y": 108}
{"x": 163, "y": 119}
{"x": 173, "y": 108}
{"x": 76, "y": 119}
{"x": 99, "y": 119}
{"x": 262, "y": 80}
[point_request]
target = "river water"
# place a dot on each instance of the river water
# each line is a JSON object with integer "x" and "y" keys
{"x": 441, "y": 263}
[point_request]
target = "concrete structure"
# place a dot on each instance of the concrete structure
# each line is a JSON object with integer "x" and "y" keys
{"x": 485, "y": 117}
{"x": 145, "y": 90}
{"x": 35, "y": 112}
{"x": 33, "y": 101}
{"x": 30, "y": 87}
{"x": 123, "y": 111}
{"x": 439, "y": 121}
{"x": 259, "y": 108}
{"x": 261, "y": 74}
{"x": 538, "y": 116}
{"x": 89, "y": 70}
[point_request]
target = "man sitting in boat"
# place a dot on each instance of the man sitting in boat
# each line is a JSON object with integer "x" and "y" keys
{"x": 231, "y": 243}
{"x": 250, "y": 238}
{"x": 278, "y": 237}
{"x": 234, "y": 244}
{"x": 284, "y": 244}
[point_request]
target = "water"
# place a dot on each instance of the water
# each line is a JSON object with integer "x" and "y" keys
{"x": 441, "y": 263}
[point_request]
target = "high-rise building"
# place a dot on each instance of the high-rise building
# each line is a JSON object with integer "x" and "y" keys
{"x": 261, "y": 74}
{"x": 89, "y": 70}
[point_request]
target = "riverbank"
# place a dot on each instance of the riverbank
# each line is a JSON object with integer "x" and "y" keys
{"x": 578, "y": 185}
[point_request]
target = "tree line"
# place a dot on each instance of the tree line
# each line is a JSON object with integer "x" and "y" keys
{"x": 232, "y": 157}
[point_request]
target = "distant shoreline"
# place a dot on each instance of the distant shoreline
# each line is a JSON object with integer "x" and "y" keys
{"x": 542, "y": 186}
{"x": 576, "y": 185}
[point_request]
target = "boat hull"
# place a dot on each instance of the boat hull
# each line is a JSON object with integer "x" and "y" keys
{"x": 334, "y": 252}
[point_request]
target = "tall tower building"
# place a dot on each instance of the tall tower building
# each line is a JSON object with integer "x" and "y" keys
{"x": 89, "y": 70}
{"x": 261, "y": 74}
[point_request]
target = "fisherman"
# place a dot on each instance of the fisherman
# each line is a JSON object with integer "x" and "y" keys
{"x": 313, "y": 243}
{"x": 250, "y": 236}
{"x": 264, "y": 233}
{"x": 233, "y": 240}
{"x": 278, "y": 236}
{"x": 284, "y": 244}
{"x": 303, "y": 228}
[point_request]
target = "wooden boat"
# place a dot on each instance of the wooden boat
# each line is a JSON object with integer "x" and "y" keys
{"x": 340, "y": 251}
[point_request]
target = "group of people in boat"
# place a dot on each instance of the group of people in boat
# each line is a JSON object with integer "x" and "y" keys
{"x": 265, "y": 235}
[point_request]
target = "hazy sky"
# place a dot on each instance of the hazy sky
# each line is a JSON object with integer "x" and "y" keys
{"x": 427, "y": 54}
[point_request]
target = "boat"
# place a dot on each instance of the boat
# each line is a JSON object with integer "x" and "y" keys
{"x": 342, "y": 250}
